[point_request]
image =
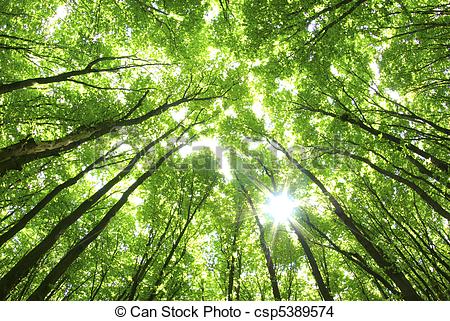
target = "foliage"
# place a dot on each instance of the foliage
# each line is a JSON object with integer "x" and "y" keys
{"x": 140, "y": 142}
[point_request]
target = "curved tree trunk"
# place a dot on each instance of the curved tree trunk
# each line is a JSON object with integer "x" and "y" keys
{"x": 356, "y": 259}
{"x": 65, "y": 76}
{"x": 427, "y": 198}
{"x": 442, "y": 165}
{"x": 15, "y": 156}
{"x": 130, "y": 292}
{"x": 55, "y": 274}
{"x": 21, "y": 269}
{"x": 323, "y": 289}
{"x": 19, "y": 225}
{"x": 376, "y": 253}
{"x": 264, "y": 247}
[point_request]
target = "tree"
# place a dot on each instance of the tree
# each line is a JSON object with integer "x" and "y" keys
{"x": 142, "y": 143}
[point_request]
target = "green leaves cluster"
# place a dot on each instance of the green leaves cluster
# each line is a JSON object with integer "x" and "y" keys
{"x": 342, "y": 104}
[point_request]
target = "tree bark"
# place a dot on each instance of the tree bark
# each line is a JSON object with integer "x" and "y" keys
{"x": 323, "y": 289}
{"x": 265, "y": 249}
{"x": 21, "y": 269}
{"x": 231, "y": 276}
{"x": 53, "y": 276}
{"x": 356, "y": 259}
{"x": 190, "y": 215}
{"x": 65, "y": 76}
{"x": 346, "y": 117}
{"x": 430, "y": 201}
{"x": 145, "y": 264}
{"x": 19, "y": 225}
{"x": 376, "y": 253}
{"x": 15, "y": 156}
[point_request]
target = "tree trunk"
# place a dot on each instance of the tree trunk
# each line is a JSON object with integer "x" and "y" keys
{"x": 324, "y": 291}
{"x": 21, "y": 269}
{"x": 65, "y": 76}
{"x": 442, "y": 165}
{"x": 231, "y": 276}
{"x": 190, "y": 215}
{"x": 145, "y": 264}
{"x": 378, "y": 256}
{"x": 430, "y": 201}
{"x": 19, "y": 225}
{"x": 15, "y": 156}
{"x": 265, "y": 249}
{"x": 52, "y": 278}
{"x": 356, "y": 259}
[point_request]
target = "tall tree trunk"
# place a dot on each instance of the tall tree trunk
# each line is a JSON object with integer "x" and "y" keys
{"x": 376, "y": 253}
{"x": 190, "y": 215}
{"x": 20, "y": 224}
{"x": 145, "y": 264}
{"x": 15, "y": 156}
{"x": 346, "y": 117}
{"x": 239, "y": 272}
{"x": 427, "y": 198}
{"x": 231, "y": 276}
{"x": 264, "y": 247}
{"x": 21, "y": 269}
{"x": 53, "y": 276}
{"x": 356, "y": 259}
{"x": 442, "y": 165}
{"x": 323, "y": 289}
{"x": 422, "y": 245}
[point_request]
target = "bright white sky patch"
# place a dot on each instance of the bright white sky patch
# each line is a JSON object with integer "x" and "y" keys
{"x": 280, "y": 207}
{"x": 136, "y": 200}
{"x": 230, "y": 112}
{"x": 257, "y": 106}
{"x": 128, "y": 32}
{"x": 256, "y": 63}
{"x": 334, "y": 71}
{"x": 312, "y": 26}
{"x": 60, "y": 14}
{"x": 213, "y": 53}
{"x": 124, "y": 148}
{"x": 233, "y": 65}
{"x": 268, "y": 124}
{"x": 394, "y": 95}
{"x": 185, "y": 151}
{"x": 258, "y": 109}
{"x": 211, "y": 143}
{"x": 212, "y": 13}
{"x": 254, "y": 145}
{"x": 156, "y": 76}
{"x": 376, "y": 71}
{"x": 178, "y": 115}
{"x": 286, "y": 85}
{"x": 176, "y": 72}
{"x": 121, "y": 97}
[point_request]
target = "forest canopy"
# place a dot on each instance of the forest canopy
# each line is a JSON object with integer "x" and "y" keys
{"x": 224, "y": 150}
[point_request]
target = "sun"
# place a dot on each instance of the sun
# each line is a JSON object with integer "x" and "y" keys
{"x": 280, "y": 207}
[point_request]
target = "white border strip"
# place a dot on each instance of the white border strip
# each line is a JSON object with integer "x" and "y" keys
{"x": 248, "y": 311}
